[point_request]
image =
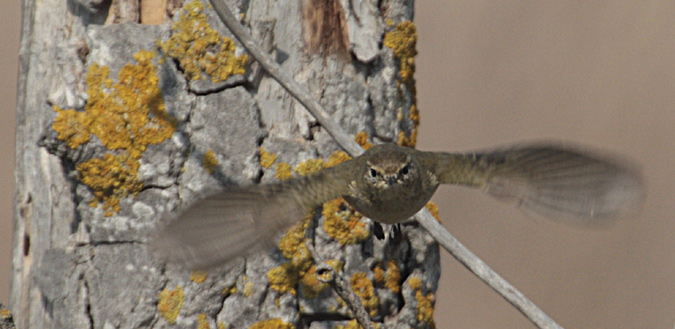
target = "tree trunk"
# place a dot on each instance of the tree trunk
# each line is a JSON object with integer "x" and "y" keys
{"x": 121, "y": 125}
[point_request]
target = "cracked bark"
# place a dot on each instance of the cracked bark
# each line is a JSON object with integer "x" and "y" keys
{"x": 75, "y": 267}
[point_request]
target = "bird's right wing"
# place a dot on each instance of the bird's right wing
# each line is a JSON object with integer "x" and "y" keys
{"x": 239, "y": 221}
{"x": 572, "y": 184}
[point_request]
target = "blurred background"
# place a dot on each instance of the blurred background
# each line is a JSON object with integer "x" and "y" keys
{"x": 598, "y": 73}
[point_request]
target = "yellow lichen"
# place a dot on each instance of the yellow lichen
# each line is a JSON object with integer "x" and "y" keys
{"x": 292, "y": 244}
{"x": 126, "y": 116}
{"x": 433, "y": 209}
{"x": 5, "y": 313}
{"x": 414, "y": 115}
{"x": 425, "y": 303}
{"x": 425, "y": 308}
{"x": 283, "y": 278}
{"x": 363, "y": 288}
{"x": 72, "y": 126}
{"x": 267, "y": 159}
{"x": 336, "y": 158}
{"x": 199, "y": 48}
{"x": 283, "y": 171}
{"x": 272, "y": 324}
{"x": 202, "y": 321}
{"x": 198, "y": 276}
{"x": 248, "y": 289}
{"x": 221, "y": 325}
{"x": 353, "y": 324}
{"x": 343, "y": 223}
{"x": 392, "y": 277}
{"x": 309, "y": 167}
{"x": 110, "y": 178}
{"x": 378, "y": 275}
{"x": 408, "y": 141}
{"x": 230, "y": 290}
{"x": 362, "y": 139}
{"x": 403, "y": 40}
{"x": 209, "y": 161}
{"x": 170, "y": 303}
{"x": 310, "y": 284}
{"x": 415, "y": 283}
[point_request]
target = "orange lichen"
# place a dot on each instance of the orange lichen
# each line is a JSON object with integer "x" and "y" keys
{"x": 170, "y": 303}
{"x": 272, "y": 324}
{"x": 267, "y": 159}
{"x": 362, "y": 139}
{"x": 199, "y": 48}
{"x": 343, "y": 223}
{"x": 433, "y": 209}
{"x": 392, "y": 277}
{"x": 378, "y": 275}
{"x": 363, "y": 288}
{"x": 126, "y": 116}
{"x": 198, "y": 276}
{"x": 283, "y": 171}
{"x": 408, "y": 141}
{"x": 336, "y": 158}
{"x": 309, "y": 167}
{"x": 202, "y": 321}
{"x": 209, "y": 161}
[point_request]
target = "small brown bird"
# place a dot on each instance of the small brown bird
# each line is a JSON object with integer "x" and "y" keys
{"x": 390, "y": 183}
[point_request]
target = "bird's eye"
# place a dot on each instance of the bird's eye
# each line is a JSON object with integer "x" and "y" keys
{"x": 373, "y": 173}
{"x": 404, "y": 170}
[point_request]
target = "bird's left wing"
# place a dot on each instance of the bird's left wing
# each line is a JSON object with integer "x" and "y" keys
{"x": 239, "y": 221}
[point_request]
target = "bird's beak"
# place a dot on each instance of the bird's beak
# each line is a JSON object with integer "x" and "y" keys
{"x": 391, "y": 179}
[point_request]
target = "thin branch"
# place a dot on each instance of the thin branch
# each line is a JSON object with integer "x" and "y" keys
{"x": 298, "y": 92}
{"x": 484, "y": 272}
{"x": 327, "y": 274}
{"x": 438, "y": 232}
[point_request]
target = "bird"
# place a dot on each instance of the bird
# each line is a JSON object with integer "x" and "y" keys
{"x": 390, "y": 183}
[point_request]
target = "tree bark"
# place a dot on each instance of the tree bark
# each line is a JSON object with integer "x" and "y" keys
{"x": 121, "y": 125}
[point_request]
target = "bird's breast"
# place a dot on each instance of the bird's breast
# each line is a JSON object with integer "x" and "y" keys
{"x": 391, "y": 205}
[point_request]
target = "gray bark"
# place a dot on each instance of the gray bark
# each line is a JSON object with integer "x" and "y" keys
{"x": 78, "y": 266}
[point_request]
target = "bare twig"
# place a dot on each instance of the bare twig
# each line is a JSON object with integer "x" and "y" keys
{"x": 327, "y": 274}
{"x": 298, "y": 92}
{"x": 484, "y": 272}
{"x": 438, "y": 232}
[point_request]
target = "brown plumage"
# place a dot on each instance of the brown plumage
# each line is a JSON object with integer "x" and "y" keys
{"x": 390, "y": 183}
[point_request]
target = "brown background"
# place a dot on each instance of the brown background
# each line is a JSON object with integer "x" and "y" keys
{"x": 600, "y": 73}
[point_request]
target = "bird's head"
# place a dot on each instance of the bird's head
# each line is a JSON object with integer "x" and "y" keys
{"x": 390, "y": 167}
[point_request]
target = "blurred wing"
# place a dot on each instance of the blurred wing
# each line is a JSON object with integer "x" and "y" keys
{"x": 228, "y": 225}
{"x": 238, "y": 222}
{"x": 567, "y": 183}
